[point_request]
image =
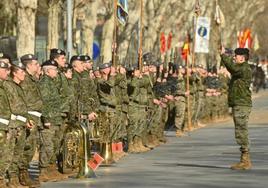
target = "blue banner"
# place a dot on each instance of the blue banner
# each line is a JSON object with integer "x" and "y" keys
{"x": 122, "y": 11}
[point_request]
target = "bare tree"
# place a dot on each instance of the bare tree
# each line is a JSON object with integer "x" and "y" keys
{"x": 26, "y": 26}
{"x": 54, "y": 7}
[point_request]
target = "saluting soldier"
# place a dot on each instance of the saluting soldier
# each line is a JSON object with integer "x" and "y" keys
{"x": 5, "y": 114}
{"x": 108, "y": 102}
{"x": 239, "y": 98}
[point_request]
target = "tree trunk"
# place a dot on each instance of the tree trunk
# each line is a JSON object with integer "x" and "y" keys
{"x": 26, "y": 26}
{"x": 107, "y": 40}
{"x": 88, "y": 27}
{"x": 53, "y": 24}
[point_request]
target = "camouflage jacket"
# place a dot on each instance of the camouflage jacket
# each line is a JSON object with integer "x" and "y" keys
{"x": 83, "y": 99}
{"x": 5, "y": 111}
{"x": 121, "y": 92}
{"x": 106, "y": 92}
{"x": 181, "y": 86}
{"x": 17, "y": 103}
{"x": 63, "y": 87}
{"x": 133, "y": 90}
{"x": 51, "y": 112}
{"x": 239, "y": 93}
{"x": 32, "y": 93}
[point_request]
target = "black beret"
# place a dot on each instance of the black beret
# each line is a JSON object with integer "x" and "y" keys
{"x": 105, "y": 65}
{"x": 18, "y": 64}
{"x": 50, "y": 63}
{"x": 74, "y": 58}
{"x": 95, "y": 68}
{"x": 27, "y": 57}
{"x": 4, "y": 56}
{"x": 4, "y": 65}
{"x": 241, "y": 51}
{"x": 85, "y": 58}
{"x": 147, "y": 57}
{"x": 57, "y": 51}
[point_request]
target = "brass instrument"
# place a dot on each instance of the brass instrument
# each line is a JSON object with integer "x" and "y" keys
{"x": 84, "y": 170}
{"x": 71, "y": 145}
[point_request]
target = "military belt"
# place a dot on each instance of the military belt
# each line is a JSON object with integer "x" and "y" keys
{"x": 20, "y": 118}
{"x": 4, "y": 121}
{"x": 35, "y": 113}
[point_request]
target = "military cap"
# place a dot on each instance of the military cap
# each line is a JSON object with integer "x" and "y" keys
{"x": 28, "y": 57}
{"x": 4, "y": 65}
{"x": 176, "y": 66}
{"x": 50, "y": 63}
{"x": 241, "y": 51}
{"x": 18, "y": 64}
{"x": 105, "y": 65}
{"x": 95, "y": 68}
{"x": 57, "y": 51}
{"x": 85, "y": 58}
{"x": 5, "y": 56}
{"x": 200, "y": 66}
{"x": 75, "y": 58}
{"x": 147, "y": 57}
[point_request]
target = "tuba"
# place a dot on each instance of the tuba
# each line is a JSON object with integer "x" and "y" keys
{"x": 84, "y": 170}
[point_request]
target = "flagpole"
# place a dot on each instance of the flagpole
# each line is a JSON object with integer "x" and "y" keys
{"x": 189, "y": 122}
{"x": 114, "y": 46}
{"x": 141, "y": 28}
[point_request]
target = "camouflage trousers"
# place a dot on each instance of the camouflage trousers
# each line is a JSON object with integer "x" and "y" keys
{"x": 16, "y": 150}
{"x": 32, "y": 139}
{"x": 241, "y": 117}
{"x": 108, "y": 128}
{"x": 137, "y": 121}
{"x": 154, "y": 122}
{"x": 199, "y": 100}
{"x": 180, "y": 106}
{"x": 121, "y": 127}
{"x": 4, "y": 152}
{"x": 50, "y": 142}
{"x": 192, "y": 110}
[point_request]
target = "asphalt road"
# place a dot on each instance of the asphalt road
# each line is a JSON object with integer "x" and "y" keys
{"x": 200, "y": 159}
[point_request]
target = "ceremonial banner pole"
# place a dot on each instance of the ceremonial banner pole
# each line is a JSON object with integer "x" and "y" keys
{"x": 189, "y": 119}
{"x": 141, "y": 28}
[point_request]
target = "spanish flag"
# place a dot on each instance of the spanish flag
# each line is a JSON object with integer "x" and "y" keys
{"x": 185, "y": 50}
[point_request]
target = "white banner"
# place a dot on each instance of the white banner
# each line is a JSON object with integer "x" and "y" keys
{"x": 202, "y": 35}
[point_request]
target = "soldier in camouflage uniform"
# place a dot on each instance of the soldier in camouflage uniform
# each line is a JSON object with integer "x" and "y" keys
{"x": 199, "y": 97}
{"x": 5, "y": 114}
{"x": 154, "y": 109}
{"x": 51, "y": 133}
{"x": 21, "y": 122}
{"x": 239, "y": 98}
{"x": 34, "y": 104}
{"x": 58, "y": 56}
{"x": 108, "y": 121}
{"x": 137, "y": 114}
{"x": 180, "y": 101}
{"x": 122, "y": 105}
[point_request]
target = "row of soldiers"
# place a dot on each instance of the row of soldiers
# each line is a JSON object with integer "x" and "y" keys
{"x": 133, "y": 104}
